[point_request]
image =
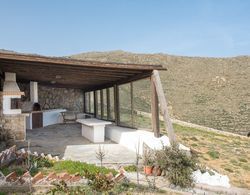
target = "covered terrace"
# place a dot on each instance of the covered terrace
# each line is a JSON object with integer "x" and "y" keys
{"x": 100, "y": 83}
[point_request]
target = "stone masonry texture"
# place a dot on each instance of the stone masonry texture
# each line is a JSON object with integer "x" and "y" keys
{"x": 50, "y": 98}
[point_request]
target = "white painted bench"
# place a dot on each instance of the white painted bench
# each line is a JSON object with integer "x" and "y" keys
{"x": 93, "y": 129}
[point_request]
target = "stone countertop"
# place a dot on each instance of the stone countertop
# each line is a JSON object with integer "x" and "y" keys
{"x": 93, "y": 122}
{"x": 51, "y": 110}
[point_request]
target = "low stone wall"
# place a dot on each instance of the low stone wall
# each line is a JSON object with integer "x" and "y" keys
{"x": 51, "y": 98}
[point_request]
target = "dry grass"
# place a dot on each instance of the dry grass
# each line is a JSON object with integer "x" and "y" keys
{"x": 227, "y": 154}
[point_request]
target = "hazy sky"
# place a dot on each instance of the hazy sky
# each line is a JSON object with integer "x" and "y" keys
{"x": 179, "y": 27}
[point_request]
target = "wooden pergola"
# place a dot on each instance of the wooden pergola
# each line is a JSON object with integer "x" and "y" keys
{"x": 89, "y": 76}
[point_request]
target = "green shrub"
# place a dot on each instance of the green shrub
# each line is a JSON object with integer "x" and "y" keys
{"x": 228, "y": 170}
{"x": 73, "y": 167}
{"x": 99, "y": 182}
{"x": 148, "y": 157}
{"x": 242, "y": 160}
{"x": 202, "y": 168}
{"x": 7, "y": 170}
{"x": 194, "y": 139}
{"x": 40, "y": 162}
{"x": 61, "y": 187}
{"x": 178, "y": 165}
{"x": 130, "y": 168}
{"x": 213, "y": 154}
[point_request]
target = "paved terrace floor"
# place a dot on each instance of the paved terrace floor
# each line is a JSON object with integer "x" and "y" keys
{"x": 66, "y": 141}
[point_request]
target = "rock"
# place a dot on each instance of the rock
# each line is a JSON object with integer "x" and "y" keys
{"x": 11, "y": 177}
{"x": 22, "y": 150}
{"x": 2, "y": 158}
{"x": 49, "y": 157}
{"x": 2, "y": 177}
{"x": 8, "y": 156}
{"x": 212, "y": 180}
{"x": 37, "y": 177}
{"x": 56, "y": 158}
{"x": 42, "y": 155}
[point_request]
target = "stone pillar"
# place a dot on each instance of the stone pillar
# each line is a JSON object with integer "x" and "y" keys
{"x": 33, "y": 92}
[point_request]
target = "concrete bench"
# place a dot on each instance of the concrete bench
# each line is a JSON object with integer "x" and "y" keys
{"x": 93, "y": 129}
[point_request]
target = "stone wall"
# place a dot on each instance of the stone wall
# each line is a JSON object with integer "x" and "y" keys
{"x": 17, "y": 126}
{"x": 50, "y": 97}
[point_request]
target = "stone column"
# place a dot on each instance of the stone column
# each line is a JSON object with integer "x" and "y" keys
{"x": 33, "y": 92}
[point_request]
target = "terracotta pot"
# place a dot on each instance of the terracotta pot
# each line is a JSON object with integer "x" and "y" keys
{"x": 148, "y": 170}
{"x": 157, "y": 171}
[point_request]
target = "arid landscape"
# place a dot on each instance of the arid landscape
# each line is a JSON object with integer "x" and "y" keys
{"x": 213, "y": 92}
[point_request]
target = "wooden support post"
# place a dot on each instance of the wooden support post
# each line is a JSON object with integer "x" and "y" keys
{"x": 132, "y": 102}
{"x": 117, "y": 105}
{"x": 108, "y": 104}
{"x": 95, "y": 104}
{"x": 154, "y": 110}
{"x": 102, "y": 102}
{"x": 163, "y": 105}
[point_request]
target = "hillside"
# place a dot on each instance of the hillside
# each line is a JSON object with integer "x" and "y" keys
{"x": 214, "y": 92}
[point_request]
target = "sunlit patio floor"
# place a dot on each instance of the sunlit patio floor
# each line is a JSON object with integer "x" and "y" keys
{"x": 66, "y": 141}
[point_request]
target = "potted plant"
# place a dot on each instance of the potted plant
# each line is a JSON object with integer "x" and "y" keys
{"x": 160, "y": 160}
{"x": 148, "y": 162}
{"x": 157, "y": 170}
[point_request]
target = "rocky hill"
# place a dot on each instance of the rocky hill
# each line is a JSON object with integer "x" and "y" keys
{"x": 213, "y": 92}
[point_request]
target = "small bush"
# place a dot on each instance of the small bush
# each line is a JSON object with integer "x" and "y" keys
{"x": 7, "y": 170}
{"x": 99, "y": 182}
{"x": 213, "y": 154}
{"x": 60, "y": 187}
{"x": 148, "y": 157}
{"x": 130, "y": 168}
{"x": 178, "y": 165}
{"x": 194, "y": 139}
{"x": 202, "y": 168}
{"x": 228, "y": 170}
{"x": 40, "y": 162}
{"x": 242, "y": 160}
